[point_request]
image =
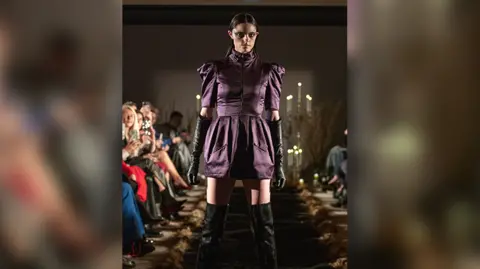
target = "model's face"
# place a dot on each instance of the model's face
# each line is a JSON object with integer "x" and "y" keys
{"x": 244, "y": 36}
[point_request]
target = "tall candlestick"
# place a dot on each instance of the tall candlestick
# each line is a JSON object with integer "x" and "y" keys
{"x": 290, "y": 158}
{"x": 299, "y": 100}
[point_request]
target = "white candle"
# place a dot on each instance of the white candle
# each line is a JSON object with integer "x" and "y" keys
{"x": 198, "y": 103}
{"x": 289, "y": 105}
{"x": 296, "y": 158}
{"x": 309, "y": 104}
{"x": 290, "y": 158}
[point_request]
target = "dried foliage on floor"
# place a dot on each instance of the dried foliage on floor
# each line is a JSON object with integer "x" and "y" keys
{"x": 332, "y": 232}
{"x": 174, "y": 258}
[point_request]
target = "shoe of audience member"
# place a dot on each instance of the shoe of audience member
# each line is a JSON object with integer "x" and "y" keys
{"x": 153, "y": 233}
{"x": 176, "y": 207}
{"x": 175, "y": 216}
{"x": 141, "y": 248}
{"x": 180, "y": 204}
{"x": 163, "y": 222}
{"x": 147, "y": 240}
{"x": 181, "y": 193}
{"x": 338, "y": 204}
{"x": 159, "y": 221}
{"x": 128, "y": 262}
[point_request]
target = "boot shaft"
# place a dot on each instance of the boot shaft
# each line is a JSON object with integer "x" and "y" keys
{"x": 213, "y": 227}
{"x": 264, "y": 234}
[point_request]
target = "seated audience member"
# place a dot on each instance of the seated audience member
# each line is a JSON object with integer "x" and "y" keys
{"x": 337, "y": 172}
{"x": 130, "y": 123}
{"x": 159, "y": 202}
{"x": 147, "y": 134}
{"x": 179, "y": 151}
{"x": 170, "y": 129}
{"x": 135, "y": 243}
{"x": 161, "y": 155}
{"x": 334, "y": 159}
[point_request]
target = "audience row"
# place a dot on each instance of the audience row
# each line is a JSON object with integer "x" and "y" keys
{"x": 155, "y": 158}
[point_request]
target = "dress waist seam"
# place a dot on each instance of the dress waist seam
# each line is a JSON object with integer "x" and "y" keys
{"x": 239, "y": 115}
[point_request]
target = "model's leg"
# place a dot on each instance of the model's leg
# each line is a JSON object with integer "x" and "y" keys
{"x": 218, "y": 196}
{"x": 261, "y": 219}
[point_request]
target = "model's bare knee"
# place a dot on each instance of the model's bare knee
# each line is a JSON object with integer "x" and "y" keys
{"x": 257, "y": 191}
{"x": 219, "y": 190}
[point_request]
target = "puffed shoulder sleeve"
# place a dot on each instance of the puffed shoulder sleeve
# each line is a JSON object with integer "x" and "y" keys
{"x": 208, "y": 74}
{"x": 274, "y": 87}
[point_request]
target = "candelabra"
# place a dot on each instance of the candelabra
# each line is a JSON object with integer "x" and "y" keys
{"x": 295, "y": 120}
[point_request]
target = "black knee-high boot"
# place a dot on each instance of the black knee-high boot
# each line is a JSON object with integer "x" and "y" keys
{"x": 264, "y": 234}
{"x": 213, "y": 226}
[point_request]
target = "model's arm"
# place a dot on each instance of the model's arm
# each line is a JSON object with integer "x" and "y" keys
{"x": 272, "y": 105}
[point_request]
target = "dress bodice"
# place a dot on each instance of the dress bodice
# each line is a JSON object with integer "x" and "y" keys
{"x": 241, "y": 84}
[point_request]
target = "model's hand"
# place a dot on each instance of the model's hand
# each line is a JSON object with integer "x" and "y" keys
{"x": 279, "y": 181}
{"x": 201, "y": 129}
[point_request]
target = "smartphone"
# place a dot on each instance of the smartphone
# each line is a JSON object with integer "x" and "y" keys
{"x": 167, "y": 142}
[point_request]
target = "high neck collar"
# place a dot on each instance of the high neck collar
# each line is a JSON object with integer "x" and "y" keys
{"x": 245, "y": 57}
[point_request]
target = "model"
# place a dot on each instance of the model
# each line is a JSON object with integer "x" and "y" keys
{"x": 239, "y": 144}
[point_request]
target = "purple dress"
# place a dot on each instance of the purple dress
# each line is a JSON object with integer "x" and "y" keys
{"x": 238, "y": 143}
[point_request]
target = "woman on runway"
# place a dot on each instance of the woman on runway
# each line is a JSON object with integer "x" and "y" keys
{"x": 239, "y": 144}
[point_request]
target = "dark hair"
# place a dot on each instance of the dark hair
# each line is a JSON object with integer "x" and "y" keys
{"x": 239, "y": 19}
{"x": 176, "y": 114}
